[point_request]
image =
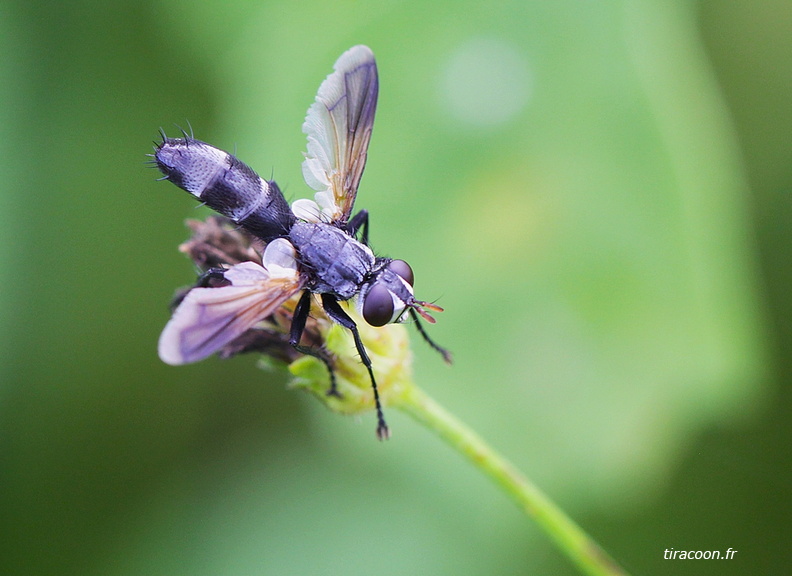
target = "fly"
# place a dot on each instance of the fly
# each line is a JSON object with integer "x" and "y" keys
{"x": 312, "y": 247}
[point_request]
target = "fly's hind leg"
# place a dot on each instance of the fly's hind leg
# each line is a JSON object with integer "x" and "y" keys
{"x": 212, "y": 278}
{"x": 299, "y": 319}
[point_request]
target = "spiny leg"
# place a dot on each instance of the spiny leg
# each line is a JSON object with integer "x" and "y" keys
{"x": 443, "y": 352}
{"x": 299, "y": 319}
{"x": 337, "y": 314}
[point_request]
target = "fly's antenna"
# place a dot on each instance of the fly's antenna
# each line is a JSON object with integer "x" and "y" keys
{"x": 419, "y": 306}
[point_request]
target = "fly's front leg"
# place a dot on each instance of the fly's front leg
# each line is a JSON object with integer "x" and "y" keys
{"x": 443, "y": 352}
{"x": 359, "y": 220}
{"x": 333, "y": 309}
{"x": 299, "y": 319}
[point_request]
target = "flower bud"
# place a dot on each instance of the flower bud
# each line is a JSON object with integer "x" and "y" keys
{"x": 389, "y": 349}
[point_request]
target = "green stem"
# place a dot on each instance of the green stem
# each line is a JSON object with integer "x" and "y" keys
{"x": 569, "y": 537}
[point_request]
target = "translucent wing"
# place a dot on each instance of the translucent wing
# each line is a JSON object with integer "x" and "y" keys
{"x": 338, "y": 125}
{"x": 209, "y": 318}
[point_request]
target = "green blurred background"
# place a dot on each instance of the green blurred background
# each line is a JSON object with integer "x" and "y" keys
{"x": 597, "y": 192}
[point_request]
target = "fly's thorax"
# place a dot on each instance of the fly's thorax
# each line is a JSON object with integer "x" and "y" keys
{"x": 332, "y": 260}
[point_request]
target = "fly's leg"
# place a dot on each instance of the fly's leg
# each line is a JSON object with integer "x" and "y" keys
{"x": 358, "y": 221}
{"x": 333, "y": 309}
{"x": 299, "y": 319}
{"x": 443, "y": 352}
{"x": 212, "y": 278}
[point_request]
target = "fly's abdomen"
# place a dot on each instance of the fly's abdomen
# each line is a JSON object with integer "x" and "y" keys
{"x": 226, "y": 185}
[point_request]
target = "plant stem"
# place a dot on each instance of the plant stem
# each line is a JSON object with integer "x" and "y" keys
{"x": 569, "y": 537}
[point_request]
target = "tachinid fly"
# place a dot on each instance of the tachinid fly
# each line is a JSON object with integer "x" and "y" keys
{"x": 313, "y": 247}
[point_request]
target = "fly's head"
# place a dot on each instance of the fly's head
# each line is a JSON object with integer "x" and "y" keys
{"x": 388, "y": 295}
